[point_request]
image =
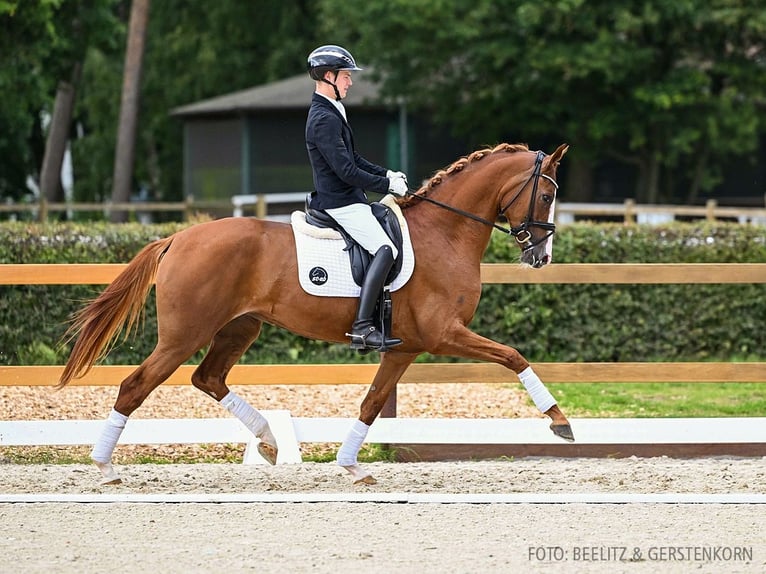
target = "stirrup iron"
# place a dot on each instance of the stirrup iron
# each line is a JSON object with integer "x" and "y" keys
{"x": 359, "y": 341}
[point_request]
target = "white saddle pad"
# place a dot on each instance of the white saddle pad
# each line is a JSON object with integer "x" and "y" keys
{"x": 324, "y": 268}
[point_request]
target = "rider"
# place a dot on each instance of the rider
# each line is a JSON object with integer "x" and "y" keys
{"x": 340, "y": 177}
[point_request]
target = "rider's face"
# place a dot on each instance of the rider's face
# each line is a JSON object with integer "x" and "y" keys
{"x": 343, "y": 81}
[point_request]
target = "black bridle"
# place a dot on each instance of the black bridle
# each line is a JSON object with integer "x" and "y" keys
{"x": 520, "y": 232}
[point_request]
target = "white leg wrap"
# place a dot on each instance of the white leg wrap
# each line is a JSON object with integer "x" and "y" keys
{"x": 542, "y": 398}
{"x": 350, "y": 448}
{"x": 251, "y": 418}
{"x": 104, "y": 447}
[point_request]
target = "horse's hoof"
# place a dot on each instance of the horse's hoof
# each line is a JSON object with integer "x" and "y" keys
{"x": 563, "y": 431}
{"x": 268, "y": 452}
{"x": 360, "y": 475}
{"x": 107, "y": 471}
{"x": 369, "y": 479}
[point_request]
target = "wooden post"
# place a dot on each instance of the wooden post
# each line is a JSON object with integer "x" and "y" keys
{"x": 188, "y": 208}
{"x": 630, "y": 216}
{"x": 389, "y": 408}
{"x": 710, "y": 206}
{"x": 260, "y": 206}
{"x": 389, "y": 412}
{"x": 42, "y": 215}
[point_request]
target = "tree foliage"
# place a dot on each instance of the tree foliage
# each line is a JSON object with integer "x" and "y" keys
{"x": 43, "y": 43}
{"x": 28, "y": 33}
{"x": 672, "y": 88}
{"x": 193, "y": 51}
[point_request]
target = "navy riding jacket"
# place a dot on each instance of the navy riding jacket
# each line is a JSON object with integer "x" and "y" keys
{"x": 340, "y": 174}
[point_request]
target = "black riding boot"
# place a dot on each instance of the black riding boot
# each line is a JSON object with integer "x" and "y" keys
{"x": 364, "y": 334}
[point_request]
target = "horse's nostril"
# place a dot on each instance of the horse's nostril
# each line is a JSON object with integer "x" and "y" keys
{"x": 537, "y": 263}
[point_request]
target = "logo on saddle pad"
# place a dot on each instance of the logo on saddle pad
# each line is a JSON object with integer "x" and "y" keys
{"x": 318, "y": 276}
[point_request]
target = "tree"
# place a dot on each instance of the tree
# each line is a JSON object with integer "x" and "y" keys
{"x": 42, "y": 48}
{"x": 28, "y": 34}
{"x": 80, "y": 24}
{"x": 202, "y": 51}
{"x": 649, "y": 83}
{"x": 126, "y": 132}
{"x": 193, "y": 51}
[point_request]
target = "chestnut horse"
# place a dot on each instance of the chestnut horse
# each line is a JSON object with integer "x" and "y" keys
{"x": 218, "y": 282}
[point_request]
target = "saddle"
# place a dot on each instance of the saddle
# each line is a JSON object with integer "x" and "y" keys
{"x": 359, "y": 257}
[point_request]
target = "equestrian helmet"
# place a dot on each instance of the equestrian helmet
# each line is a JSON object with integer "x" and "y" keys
{"x": 330, "y": 58}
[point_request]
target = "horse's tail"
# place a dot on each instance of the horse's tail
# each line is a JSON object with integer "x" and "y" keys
{"x": 97, "y": 325}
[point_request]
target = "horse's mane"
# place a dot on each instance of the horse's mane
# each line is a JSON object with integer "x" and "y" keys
{"x": 457, "y": 166}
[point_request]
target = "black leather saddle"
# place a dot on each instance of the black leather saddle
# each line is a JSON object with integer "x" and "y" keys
{"x": 359, "y": 257}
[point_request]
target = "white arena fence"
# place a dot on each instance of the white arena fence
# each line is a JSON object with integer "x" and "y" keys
{"x": 266, "y": 206}
{"x": 290, "y": 432}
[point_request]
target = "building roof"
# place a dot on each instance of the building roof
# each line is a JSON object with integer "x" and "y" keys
{"x": 291, "y": 93}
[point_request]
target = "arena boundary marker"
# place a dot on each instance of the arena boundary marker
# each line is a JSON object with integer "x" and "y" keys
{"x": 392, "y": 498}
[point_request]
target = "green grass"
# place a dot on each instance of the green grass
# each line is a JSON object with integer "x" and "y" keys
{"x": 614, "y": 400}
{"x": 185, "y": 454}
{"x": 166, "y": 454}
{"x": 42, "y": 455}
{"x": 371, "y": 452}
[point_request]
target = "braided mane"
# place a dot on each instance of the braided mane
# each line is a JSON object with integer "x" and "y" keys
{"x": 457, "y": 166}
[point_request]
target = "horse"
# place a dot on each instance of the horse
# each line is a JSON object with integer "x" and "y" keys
{"x": 217, "y": 282}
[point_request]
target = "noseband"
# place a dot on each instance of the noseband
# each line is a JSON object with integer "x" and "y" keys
{"x": 521, "y": 232}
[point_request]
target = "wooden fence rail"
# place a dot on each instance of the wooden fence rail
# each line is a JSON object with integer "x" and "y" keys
{"x": 463, "y": 373}
{"x": 583, "y": 273}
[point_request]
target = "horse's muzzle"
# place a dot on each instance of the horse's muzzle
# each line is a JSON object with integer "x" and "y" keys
{"x": 534, "y": 259}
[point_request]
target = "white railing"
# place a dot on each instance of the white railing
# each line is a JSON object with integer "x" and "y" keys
{"x": 566, "y": 212}
{"x": 290, "y": 432}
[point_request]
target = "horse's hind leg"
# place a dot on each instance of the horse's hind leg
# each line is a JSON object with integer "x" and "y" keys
{"x": 133, "y": 391}
{"x": 227, "y": 347}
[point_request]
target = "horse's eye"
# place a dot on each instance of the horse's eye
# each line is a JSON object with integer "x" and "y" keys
{"x": 547, "y": 198}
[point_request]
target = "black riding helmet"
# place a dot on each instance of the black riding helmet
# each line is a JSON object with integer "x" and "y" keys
{"x": 330, "y": 58}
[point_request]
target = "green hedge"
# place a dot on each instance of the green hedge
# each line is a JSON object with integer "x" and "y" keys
{"x": 545, "y": 322}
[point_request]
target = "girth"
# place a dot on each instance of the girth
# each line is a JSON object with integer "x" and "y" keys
{"x": 359, "y": 257}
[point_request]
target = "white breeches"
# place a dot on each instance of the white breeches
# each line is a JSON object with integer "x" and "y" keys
{"x": 359, "y": 222}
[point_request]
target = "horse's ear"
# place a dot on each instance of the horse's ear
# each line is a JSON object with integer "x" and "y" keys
{"x": 558, "y": 154}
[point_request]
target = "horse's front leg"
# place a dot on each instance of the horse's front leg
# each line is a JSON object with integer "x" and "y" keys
{"x": 391, "y": 369}
{"x": 463, "y": 342}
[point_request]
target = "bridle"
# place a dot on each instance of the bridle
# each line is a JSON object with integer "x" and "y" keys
{"x": 520, "y": 232}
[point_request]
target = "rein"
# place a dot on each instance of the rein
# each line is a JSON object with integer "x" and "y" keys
{"x": 521, "y": 232}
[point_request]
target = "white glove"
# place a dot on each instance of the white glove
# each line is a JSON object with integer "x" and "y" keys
{"x": 392, "y": 174}
{"x": 397, "y": 186}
